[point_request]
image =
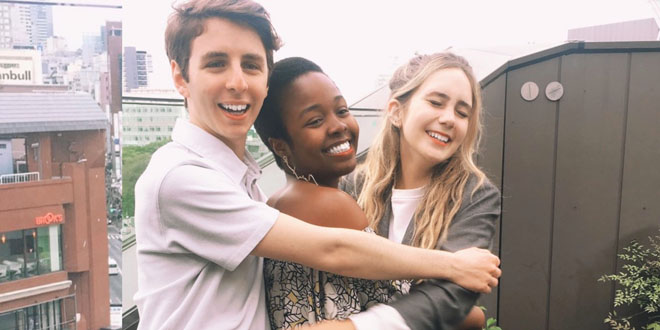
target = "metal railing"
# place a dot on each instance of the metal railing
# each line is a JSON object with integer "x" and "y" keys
{"x": 19, "y": 177}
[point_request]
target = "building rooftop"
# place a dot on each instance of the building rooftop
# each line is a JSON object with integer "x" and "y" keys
{"x": 49, "y": 112}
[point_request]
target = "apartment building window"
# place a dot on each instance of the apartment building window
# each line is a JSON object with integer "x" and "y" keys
{"x": 30, "y": 252}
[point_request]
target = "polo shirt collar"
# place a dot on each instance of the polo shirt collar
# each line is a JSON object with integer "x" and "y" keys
{"x": 208, "y": 146}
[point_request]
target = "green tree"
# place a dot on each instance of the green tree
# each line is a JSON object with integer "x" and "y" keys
{"x": 134, "y": 161}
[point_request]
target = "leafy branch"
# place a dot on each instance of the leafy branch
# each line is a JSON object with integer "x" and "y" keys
{"x": 639, "y": 286}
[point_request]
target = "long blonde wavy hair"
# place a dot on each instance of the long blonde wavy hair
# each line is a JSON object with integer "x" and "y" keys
{"x": 383, "y": 163}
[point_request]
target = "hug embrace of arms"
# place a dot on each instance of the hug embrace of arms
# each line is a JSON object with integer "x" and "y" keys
{"x": 202, "y": 224}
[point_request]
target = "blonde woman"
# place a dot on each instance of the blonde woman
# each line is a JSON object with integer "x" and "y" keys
{"x": 419, "y": 184}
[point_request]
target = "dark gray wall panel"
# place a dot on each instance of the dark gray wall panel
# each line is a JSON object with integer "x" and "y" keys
{"x": 490, "y": 154}
{"x": 640, "y": 207}
{"x": 528, "y": 179}
{"x": 590, "y": 138}
{"x": 490, "y": 159}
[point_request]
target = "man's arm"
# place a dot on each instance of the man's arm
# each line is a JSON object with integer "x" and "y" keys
{"x": 202, "y": 211}
{"x": 359, "y": 254}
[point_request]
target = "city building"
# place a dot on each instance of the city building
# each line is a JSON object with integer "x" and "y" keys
{"x": 56, "y": 45}
{"x": 113, "y": 43}
{"x": 91, "y": 46}
{"x": 53, "y": 231}
{"x": 137, "y": 68}
{"x": 55, "y": 67}
{"x": 5, "y": 26}
{"x": 255, "y": 146}
{"x": 149, "y": 115}
{"x": 25, "y": 25}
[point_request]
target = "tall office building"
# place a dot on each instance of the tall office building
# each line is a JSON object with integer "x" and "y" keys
{"x": 42, "y": 25}
{"x": 91, "y": 46}
{"x": 137, "y": 68}
{"x": 5, "y": 26}
{"x": 113, "y": 42}
{"x": 25, "y": 26}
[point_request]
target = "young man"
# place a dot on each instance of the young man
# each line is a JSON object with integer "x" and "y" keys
{"x": 201, "y": 222}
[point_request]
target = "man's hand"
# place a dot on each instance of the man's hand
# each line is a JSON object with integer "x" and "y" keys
{"x": 331, "y": 325}
{"x": 476, "y": 269}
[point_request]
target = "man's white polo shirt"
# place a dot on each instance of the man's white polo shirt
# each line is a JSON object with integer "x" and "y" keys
{"x": 198, "y": 215}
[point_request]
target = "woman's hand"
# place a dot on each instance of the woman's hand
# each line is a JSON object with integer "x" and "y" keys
{"x": 475, "y": 269}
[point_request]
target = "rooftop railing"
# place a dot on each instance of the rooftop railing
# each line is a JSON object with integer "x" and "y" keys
{"x": 19, "y": 177}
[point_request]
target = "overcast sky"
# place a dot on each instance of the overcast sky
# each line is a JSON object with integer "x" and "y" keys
{"x": 73, "y": 22}
{"x": 354, "y": 41}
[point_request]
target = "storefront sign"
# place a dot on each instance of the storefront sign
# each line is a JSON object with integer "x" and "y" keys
{"x": 48, "y": 219}
{"x": 20, "y": 67}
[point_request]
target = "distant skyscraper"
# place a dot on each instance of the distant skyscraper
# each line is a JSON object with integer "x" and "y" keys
{"x": 5, "y": 26}
{"x": 113, "y": 33}
{"x": 42, "y": 25}
{"x": 137, "y": 68}
{"x": 56, "y": 44}
{"x": 25, "y": 26}
{"x": 104, "y": 40}
{"x": 91, "y": 46}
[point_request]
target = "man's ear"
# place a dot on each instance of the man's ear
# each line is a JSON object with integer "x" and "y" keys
{"x": 179, "y": 82}
{"x": 280, "y": 147}
{"x": 394, "y": 112}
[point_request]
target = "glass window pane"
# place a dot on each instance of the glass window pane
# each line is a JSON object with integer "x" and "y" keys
{"x": 12, "y": 258}
{"x": 48, "y": 247}
{"x": 8, "y": 321}
{"x": 30, "y": 252}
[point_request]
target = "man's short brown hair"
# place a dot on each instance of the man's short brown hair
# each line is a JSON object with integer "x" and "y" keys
{"x": 187, "y": 23}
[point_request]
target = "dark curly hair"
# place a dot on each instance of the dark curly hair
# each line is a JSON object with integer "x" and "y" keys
{"x": 269, "y": 123}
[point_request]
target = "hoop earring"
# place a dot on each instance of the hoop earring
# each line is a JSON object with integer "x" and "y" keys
{"x": 309, "y": 178}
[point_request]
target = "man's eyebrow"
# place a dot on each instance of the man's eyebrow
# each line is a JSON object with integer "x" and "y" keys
{"x": 212, "y": 55}
{"x": 254, "y": 57}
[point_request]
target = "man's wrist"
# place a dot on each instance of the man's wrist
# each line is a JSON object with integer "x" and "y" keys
{"x": 448, "y": 268}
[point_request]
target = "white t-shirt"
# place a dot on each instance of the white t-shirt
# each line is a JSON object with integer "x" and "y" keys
{"x": 198, "y": 216}
{"x": 404, "y": 204}
{"x": 380, "y": 316}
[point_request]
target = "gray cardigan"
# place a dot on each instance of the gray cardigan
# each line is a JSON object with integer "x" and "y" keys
{"x": 439, "y": 304}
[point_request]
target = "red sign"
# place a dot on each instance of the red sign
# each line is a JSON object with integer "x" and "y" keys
{"x": 49, "y": 218}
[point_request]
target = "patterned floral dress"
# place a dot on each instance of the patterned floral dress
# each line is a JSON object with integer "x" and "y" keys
{"x": 298, "y": 295}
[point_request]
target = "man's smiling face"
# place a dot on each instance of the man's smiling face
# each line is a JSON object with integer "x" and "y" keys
{"x": 227, "y": 81}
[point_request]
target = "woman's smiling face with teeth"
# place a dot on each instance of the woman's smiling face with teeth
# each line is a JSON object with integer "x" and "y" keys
{"x": 322, "y": 130}
{"x": 435, "y": 119}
